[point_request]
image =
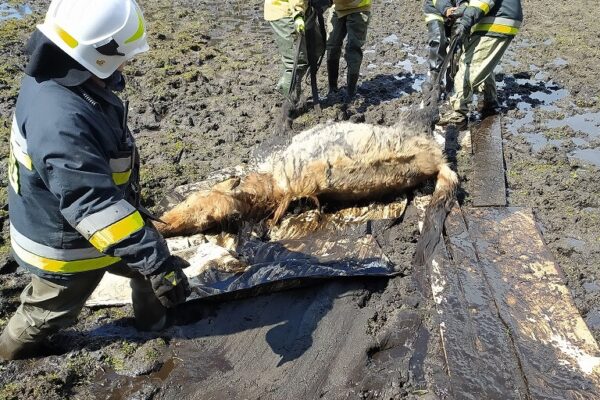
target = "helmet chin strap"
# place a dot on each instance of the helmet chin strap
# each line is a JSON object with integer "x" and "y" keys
{"x": 115, "y": 82}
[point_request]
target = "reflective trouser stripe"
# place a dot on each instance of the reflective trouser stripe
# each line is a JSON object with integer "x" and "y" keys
{"x": 57, "y": 260}
{"x": 118, "y": 231}
{"x": 482, "y": 5}
{"x": 433, "y": 17}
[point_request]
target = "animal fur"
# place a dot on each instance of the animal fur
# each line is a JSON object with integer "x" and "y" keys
{"x": 338, "y": 161}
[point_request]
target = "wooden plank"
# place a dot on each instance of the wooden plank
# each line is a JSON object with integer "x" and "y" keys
{"x": 488, "y": 183}
{"x": 481, "y": 360}
{"x": 558, "y": 355}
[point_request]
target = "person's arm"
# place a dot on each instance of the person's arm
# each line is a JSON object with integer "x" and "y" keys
{"x": 297, "y": 8}
{"x": 476, "y": 10}
{"x": 72, "y": 163}
{"x": 443, "y": 6}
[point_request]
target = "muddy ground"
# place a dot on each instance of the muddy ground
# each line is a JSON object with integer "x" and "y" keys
{"x": 204, "y": 98}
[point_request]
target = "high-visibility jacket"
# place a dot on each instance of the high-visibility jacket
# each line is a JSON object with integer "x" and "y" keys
{"x": 436, "y": 9}
{"x": 493, "y": 17}
{"x": 277, "y": 9}
{"x": 346, "y": 7}
{"x": 72, "y": 206}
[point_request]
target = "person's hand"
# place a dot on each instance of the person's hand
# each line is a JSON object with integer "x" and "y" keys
{"x": 299, "y": 24}
{"x": 450, "y": 12}
{"x": 169, "y": 283}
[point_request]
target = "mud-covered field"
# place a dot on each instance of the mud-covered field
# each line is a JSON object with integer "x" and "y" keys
{"x": 205, "y": 97}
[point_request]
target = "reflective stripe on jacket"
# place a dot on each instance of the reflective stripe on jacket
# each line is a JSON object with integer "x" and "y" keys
{"x": 493, "y": 17}
{"x": 436, "y": 9}
{"x": 277, "y": 9}
{"x": 347, "y": 7}
{"x": 70, "y": 198}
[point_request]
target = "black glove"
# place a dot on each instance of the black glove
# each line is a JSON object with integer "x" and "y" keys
{"x": 459, "y": 32}
{"x": 170, "y": 283}
{"x": 320, "y": 6}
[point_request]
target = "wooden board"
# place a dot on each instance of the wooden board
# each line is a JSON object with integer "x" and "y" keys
{"x": 557, "y": 354}
{"x": 488, "y": 183}
{"x": 481, "y": 360}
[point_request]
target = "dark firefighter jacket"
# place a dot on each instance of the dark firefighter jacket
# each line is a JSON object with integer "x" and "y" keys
{"x": 436, "y": 9}
{"x": 493, "y": 18}
{"x": 72, "y": 207}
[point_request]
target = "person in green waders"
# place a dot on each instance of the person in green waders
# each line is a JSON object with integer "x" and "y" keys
{"x": 350, "y": 20}
{"x": 291, "y": 22}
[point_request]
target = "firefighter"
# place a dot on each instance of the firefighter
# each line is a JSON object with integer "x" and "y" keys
{"x": 486, "y": 28}
{"x": 74, "y": 200}
{"x": 350, "y": 19}
{"x": 290, "y": 21}
{"x": 439, "y": 16}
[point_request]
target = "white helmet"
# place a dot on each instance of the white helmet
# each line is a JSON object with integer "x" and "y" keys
{"x": 99, "y": 34}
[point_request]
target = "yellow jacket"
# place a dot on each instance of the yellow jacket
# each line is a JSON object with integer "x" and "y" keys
{"x": 277, "y": 9}
{"x": 345, "y": 7}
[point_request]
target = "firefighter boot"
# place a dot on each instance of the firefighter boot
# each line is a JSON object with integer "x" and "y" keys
{"x": 352, "y": 81}
{"x": 333, "y": 67}
{"x": 149, "y": 313}
{"x": 285, "y": 122}
{"x": 12, "y": 349}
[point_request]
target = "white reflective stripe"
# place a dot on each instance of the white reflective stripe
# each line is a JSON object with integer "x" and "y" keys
{"x": 17, "y": 135}
{"x": 500, "y": 21}
{"x": 120, "y": 164}
{"x": 51, "y": 252}
{"x": 108, "y": 216}
{"x": 433, "y": 17}
{"x": 18, "y": 145}
{"x": 484, "y": 5}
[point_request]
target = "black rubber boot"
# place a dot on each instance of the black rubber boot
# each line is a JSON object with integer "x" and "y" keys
{"x": 149, "y": 313}
{"x": 284, "y": 124}
{"x": 352, "y": 81}
{"x": 12, "y": 349}
{"x": 333, "y": 68}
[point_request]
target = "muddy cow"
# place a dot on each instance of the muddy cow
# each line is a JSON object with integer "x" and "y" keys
{"x": 339, "y": 161}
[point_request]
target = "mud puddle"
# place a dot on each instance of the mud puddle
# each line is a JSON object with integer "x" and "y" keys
{"x": 12, "y": 11}
{"x": 536, "y": 102}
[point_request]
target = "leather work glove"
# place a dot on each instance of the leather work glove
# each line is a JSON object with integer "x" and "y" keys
{"x": 170, "y": 283}
{"x": 299, "y": 24}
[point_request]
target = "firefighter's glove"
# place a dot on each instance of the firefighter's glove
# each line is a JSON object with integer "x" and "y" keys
{"x": 170, "y": 283}
{"x": 459, "y": 32}
{"x": 299, "y": 24}
{"x": 459, "y": 11}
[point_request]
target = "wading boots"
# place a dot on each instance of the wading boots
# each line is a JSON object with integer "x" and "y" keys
{"x": 333, "y": 67}
{"x": 13, "y": 349}
{"x": 352, "y": 80}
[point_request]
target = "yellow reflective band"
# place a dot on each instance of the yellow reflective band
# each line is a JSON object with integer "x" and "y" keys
{"x": 68, "y": 39}
{"x": 485, "y": 7}
{"x": 140, "y": 30}
{"x": 50, "y": 265}
{"x": 433, "y": 17}
{"x": 23, "y": 158}
{"x": 118, "y": 231}
{"x": 13, "y": 172}
{"x": 171, "y": 278}
{"x": 508, "y": 30}
{"x": 121, "y": 178}
{"x": 364, "y": 3}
